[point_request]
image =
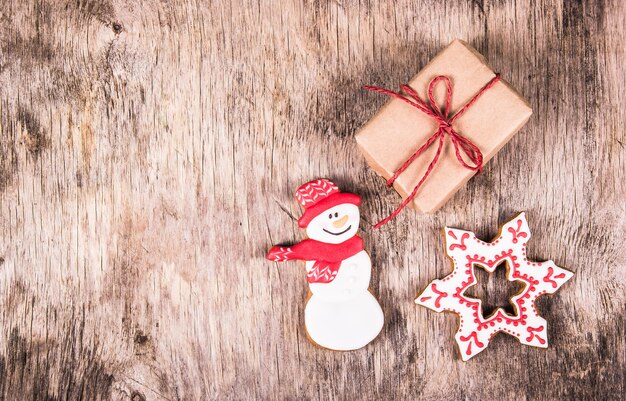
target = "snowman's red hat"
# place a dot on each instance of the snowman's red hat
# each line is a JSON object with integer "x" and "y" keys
{"x": 320, "y": 195}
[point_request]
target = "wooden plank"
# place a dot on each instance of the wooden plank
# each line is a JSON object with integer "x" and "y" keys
{"x": 148, "y": 158}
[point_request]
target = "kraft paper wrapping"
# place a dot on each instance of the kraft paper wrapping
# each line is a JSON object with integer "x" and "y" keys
{"x": 398, "y": 129}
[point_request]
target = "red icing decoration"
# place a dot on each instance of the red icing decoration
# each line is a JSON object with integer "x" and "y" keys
{"x": 440, "y": 295}
{"x": 318, "y": 196}
{"x": 547, "y": 278}
{"x": 461, "y": 244}
{"x": 517, "y": 233}
{"x": 327, "y": 257}
{"x": 474, "y": 336}
{"x": 532, "y": 331}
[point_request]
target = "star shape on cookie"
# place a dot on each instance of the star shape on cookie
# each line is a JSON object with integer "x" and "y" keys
{"x": 466, "y": 251}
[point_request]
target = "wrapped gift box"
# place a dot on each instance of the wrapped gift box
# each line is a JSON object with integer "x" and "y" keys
{"x": 399, "y": 129}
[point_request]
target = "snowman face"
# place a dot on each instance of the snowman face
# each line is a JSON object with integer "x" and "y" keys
{"x": 335, "y": 225}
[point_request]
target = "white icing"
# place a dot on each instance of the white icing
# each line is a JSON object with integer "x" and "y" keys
{"x": 335, "y": 220}
{"x": 344, "y": 326}
{"x": 343, "y": 315}
{"x": 353, "y": 278}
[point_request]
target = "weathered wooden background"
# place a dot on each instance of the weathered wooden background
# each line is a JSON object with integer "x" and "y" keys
{"x": 149, "y": 152}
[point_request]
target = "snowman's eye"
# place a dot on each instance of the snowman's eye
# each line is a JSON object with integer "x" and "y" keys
{"x": 330, "y": 216}
{"x": 336, "y": 214}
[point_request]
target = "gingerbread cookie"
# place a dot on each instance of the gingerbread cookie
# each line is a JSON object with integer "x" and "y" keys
{"x": 341, "y": 313}
{"x": 466, "y": 251}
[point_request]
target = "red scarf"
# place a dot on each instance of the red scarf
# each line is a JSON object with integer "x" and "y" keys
{"x": 327, "y": 257}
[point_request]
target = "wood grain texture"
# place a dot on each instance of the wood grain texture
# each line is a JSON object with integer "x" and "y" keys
{"x": 149, "y": 152}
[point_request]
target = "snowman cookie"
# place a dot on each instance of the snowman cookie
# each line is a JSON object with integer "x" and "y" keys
{"x": 341, "y": 313}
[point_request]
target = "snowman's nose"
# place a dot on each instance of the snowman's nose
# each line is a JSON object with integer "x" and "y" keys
{"x": 341, "y": 222}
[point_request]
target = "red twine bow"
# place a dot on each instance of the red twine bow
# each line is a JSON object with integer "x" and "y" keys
{"x": 461, "y": 144}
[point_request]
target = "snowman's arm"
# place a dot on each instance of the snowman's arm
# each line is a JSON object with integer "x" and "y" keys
{"x": 279, "y": 254}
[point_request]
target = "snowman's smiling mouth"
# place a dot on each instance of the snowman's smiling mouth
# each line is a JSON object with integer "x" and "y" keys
{"x": 343, "y": 232}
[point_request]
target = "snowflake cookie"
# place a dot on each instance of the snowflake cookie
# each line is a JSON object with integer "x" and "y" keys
{"x": 466, "y": 251}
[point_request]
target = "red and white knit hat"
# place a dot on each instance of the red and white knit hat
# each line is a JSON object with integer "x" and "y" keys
{"x": 320, "y": 195}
